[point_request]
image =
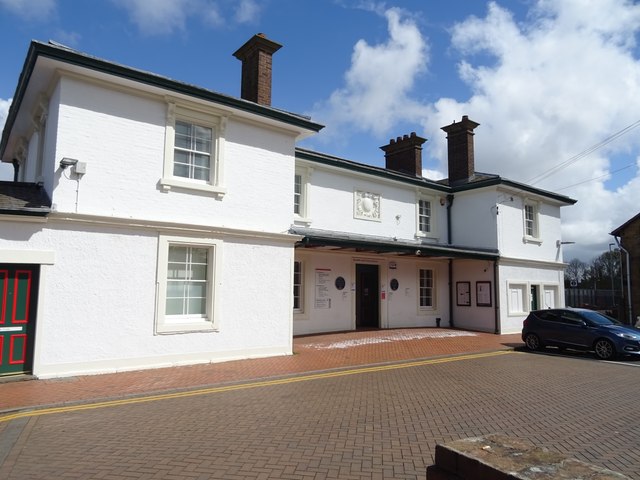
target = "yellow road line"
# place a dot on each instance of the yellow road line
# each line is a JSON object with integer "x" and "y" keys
{"x": 244, "y": 386}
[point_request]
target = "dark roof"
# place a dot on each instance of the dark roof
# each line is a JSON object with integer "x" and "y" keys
{"x": 67, "y": 55}
{"x": 618, "y": 231}
{"x": 369, "y": 243}
{"x": 17, "y": 198}
{"x": 480, "y": 180}
{"x": 368, "y": 169}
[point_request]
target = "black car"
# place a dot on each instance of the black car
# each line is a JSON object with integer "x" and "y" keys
{"x": 580, "y": 329}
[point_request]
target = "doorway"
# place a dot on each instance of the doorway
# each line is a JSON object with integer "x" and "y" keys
{"x": 18, "y": 301}
{"x": 367, "y": 297}
{"x": 535, "y": 297}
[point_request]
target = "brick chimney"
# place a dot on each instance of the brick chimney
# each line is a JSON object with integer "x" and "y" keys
{"x": 255, "y": 56}
{"x": 460, "y": 150}
{"x": 404, "y": 154}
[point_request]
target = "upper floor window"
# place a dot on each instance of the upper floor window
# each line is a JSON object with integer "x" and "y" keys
{"x": 424, "y": 216}
{"x": 300, "y": 194}
{"x": 531, "y": 222}
{"x": 297, "y": 194}
{"x": 194, "y": 150}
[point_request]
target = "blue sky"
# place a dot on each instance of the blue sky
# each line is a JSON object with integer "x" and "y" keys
{"x": 554, "y": 84}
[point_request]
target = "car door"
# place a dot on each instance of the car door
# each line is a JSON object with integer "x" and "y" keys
{"x": 572, "y": 331}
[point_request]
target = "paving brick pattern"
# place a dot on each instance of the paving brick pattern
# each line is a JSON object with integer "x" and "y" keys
{"x": 379, "y": 424}
{"x": 312, "y": 353}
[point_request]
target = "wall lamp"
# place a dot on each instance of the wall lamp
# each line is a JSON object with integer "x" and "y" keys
{"x": 67, "y": 162}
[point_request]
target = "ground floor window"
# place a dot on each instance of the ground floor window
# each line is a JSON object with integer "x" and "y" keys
{"x": 517, "y": 295}
{"x": 187, "y": 276}
{"x": 426, "y": 288}
{"x": 298, "y": 279}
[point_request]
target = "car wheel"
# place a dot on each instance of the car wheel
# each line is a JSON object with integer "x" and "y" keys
{"x": 604, "y": 349}
{"x": 532, "y": 341}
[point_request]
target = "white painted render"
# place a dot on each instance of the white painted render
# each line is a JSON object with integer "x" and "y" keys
{"x": 331, "y": 205}
{"x": 98, "y": 300}
{"x": 398, "y": 309}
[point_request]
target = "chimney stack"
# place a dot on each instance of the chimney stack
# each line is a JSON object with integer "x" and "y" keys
{"x": 255, "y": 56}
{"x": 404, "y": 154}
{"x": 460, "y": 150}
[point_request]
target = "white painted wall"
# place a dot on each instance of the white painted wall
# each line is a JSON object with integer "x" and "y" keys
{"x": 121, "y": 138}
{"x": 520, "y": 273}
{"x": 474, "y": 317}
{"x": 512, "y": 242}
{"x": 331, "y": 205}
{"x": 474, "y": 221}
{"x": 398, "y": 309}
{"x": 99, "y": 299}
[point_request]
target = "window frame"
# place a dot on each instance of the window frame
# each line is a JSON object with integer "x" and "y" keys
{"x": 300, "y": 307}
{"x": 302, "y": 216}
{"x": 191, "y": 115}
{"x": 167, "y": 324}
{"x": 432, "y": 307}
{"x": 535, "y": 221}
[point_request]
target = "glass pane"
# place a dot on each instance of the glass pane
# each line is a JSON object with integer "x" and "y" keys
{"x": 201, "y": 160}
{"x": 199, "y": 255}
{"x": 177, "y": 254}
{"x": 198, "y": 272}
{"x": 174, "y": 306}
{"x": 197, "y": 306}
{"x": 180, "y": 170}
{"x": 182, "y": 157}
{"x": 200, "y": 173}
{"x": 175, "y": 289}
{"x": 197, "y": 289}
{"x": 177, "y": 271}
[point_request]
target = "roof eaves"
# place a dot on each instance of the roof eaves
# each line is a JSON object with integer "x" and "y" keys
{"x": 618, "y": 231}
{"x": 338, "y": 162}
{"x": 67, "y": 55}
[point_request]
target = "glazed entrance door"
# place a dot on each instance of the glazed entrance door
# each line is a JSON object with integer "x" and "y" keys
{"x": 367, "y": 302}
{"x": 18, "y": 293}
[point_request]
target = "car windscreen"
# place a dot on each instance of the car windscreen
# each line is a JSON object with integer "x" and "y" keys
{"x": 599, "y": 319}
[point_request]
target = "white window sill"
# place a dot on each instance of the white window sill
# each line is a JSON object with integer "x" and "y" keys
{"x": 301, "y": 220}
{"x": 168, "y": 328}
{"x": 534, "y": 240}
{"x": 428, "y": 235}
{"x": 168, "y": 183}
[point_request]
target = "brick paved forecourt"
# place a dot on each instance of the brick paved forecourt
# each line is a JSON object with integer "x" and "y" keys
{"x": 381, "y": 422}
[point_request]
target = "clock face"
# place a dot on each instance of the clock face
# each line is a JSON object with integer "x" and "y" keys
{"x": 394, "y": 284}
{"x": 340, "y": 283}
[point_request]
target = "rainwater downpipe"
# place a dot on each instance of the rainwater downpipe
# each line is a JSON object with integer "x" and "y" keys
{"x": 449, "y": 241}
{"x": 629, "y": 309}
{"x": 497, "y": 297}
{"x": 16, "y": 169}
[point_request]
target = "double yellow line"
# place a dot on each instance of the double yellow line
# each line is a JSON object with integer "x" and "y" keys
{"x": 244, "y": 386}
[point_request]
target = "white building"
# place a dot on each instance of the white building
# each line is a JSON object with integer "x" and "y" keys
{"x": 154, "y": 223}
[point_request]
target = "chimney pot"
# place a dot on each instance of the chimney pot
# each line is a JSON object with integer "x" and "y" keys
{"x": 460, "y": 150}
{"x": 256, "y": 57}
{"x": 404, "y": 154}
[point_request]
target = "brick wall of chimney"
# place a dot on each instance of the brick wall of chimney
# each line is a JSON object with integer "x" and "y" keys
{"x": 404, "y": 154}
{"x": 256, "y": 57}
{"x": 460, "y": 151}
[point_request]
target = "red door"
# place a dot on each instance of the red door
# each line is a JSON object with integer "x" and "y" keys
{"x": 18, "y": 293}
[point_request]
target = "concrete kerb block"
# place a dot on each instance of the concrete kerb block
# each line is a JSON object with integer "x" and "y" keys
{"x": 498, "y": 457}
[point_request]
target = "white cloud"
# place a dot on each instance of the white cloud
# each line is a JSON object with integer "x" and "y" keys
{"x": 546, "y": 90}
{"x": 377, "y": 86}
{"x": 247, "y": 11}
{"x": 164, "y": 17}
{"x": 543, "y": 89}
{"x": 30, "y": 9}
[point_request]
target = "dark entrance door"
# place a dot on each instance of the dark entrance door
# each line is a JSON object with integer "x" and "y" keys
{"x": 367, "y": 301}
{"x": 18, "y": 294}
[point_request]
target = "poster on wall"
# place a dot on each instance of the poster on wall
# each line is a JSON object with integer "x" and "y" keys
{"x": 463, "y": 294}
{"x": 483, "y": 294}
{"x": 323, "y": 280}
